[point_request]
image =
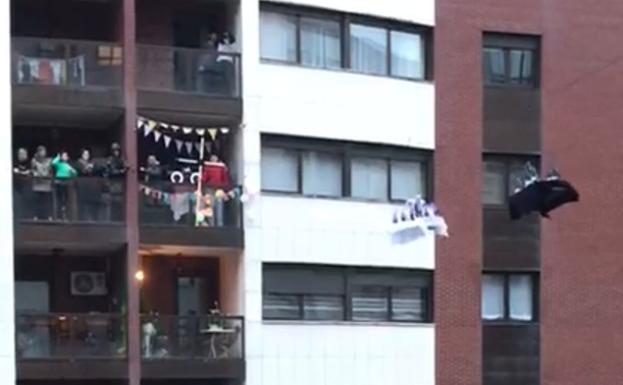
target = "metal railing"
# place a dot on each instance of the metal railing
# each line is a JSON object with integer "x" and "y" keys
{"x": 81, "y": 199}
{"x": 70, "y": 63}
{"x": 70, "y": 336}
{"x": 175, "y": 204}
{"x": 188, "y": 70}
{"x": 209, "y": 337}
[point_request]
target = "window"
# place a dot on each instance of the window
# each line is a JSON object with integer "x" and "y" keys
{"x": 501, "y": 177}
{"x": 368, "y": 49}
{"x": 278, "y": 37}
{"x": 320, "y": 43}
{"x": 109, "y": 55}
{"x": 509, "y": 60}
{"x": 369, "y": 178}
{"x": 311, "y": 292}
{"x": 508, "y": 297}
{"x": 407, "y": 56}
{"x": 320, "y": 168}
{"x": 324, "y": 39}
{"x": 279, "y": 170}
{"x": 322, "y": 174}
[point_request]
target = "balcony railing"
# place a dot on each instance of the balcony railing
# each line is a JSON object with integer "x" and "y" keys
{"x": 163, "y": 203}
{"x": 82, "y": 199}
{"x": 70, "y": 336}
{"x": 210, "y": 337}
{"x": 188, "y": 70}
{"x": 69, "y": 63}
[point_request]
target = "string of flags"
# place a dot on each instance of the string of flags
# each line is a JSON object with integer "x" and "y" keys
{"x": 415, "y": 219}
{"x": 166, "y": 197}
{"x": 182, "y": 137}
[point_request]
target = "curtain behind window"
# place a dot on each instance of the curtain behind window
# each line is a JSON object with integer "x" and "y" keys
{"x": 322, "y": 174}
{"x": 320, "y": 43}
{"x": 407, "y": 55}
{"x": 369, "y": 178}
{"x": 369, "y": 303}
{"x": 520, "y": 297}
{"x": 368, "y": 49}
{"x": 278, "y": 37}
{"x": 407, "y": 180}
{"x": 493, "y": 183}
{"x": 279, "y": 170}
{"x": 492, "y": 297}
{"x": 494, "y": 66}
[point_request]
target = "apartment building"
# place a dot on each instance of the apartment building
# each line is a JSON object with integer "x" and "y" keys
{"x": 328, "y": 116}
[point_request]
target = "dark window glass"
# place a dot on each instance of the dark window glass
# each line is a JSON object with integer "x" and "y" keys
{"x": 323, "y": 307}
{"x": 370, "y": 303}
{"x": 409, "y": 304}
{"x": 281, "y": 306}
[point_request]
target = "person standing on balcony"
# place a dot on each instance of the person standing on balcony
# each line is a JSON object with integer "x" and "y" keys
{"x": 63, "y": 174}
{"x": 22, "y": 172}
{"x": 41, "y": 167}
{"x": 115, "y": 171}
{"x": 226, "y": 63}
{"x": 216, "y": 180}
{"x": 89, "y": 188}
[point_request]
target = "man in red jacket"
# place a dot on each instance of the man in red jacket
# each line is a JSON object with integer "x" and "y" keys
{"x": 215, "y": 178}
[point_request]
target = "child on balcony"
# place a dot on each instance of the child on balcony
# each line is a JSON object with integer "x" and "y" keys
{"x": 63, "y": 173}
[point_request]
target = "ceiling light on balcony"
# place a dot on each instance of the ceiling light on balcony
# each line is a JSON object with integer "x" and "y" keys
{"x": 140, "y": 276}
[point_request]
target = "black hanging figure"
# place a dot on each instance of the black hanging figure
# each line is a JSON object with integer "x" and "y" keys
{"x": 541, "y": 196}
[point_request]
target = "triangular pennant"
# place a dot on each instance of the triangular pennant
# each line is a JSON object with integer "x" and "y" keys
{"x": 147, "y": 190}
{"x": 200, "y": 131}
{"x": 187, "y": 130}
{"x": 225, "y": 130}
{"x": 164, "y": 125}
{"x": 198, "y": 147}
{"x": 178, "y": 145}
{"x": 189, "y": 147}
{"x": 208, "y": 147}
{"x": 175, "y": 128}
{"x": 213, "y": 132}
{"x": 157, "y": 135}
{"x": 149, "y": 127}
{"x": 139, "y": 123}
{"x": 167, "y": 141}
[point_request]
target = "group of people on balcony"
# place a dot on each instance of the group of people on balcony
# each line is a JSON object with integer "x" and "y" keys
{"x": 45, "y": 185}
{"x": 185, "y": 186}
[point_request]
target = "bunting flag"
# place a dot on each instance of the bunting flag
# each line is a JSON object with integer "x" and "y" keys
{"x": 213, "y": 132}
{"x": 165, "y": 197}
{"x": 198, "y": 147}
{"x": 167, "y": 141}
{"x": 187, "y": 130}
{"x": 139, "y": 123}
{"x": 164, "y": 125}
{"x": 178, "y": 145}
{"x": 157, "y": 135}
{"x": 147, "y": 129}
{"x": 175, "y": 128}
{"x": 208, "y": 146}
{"x": 200, "y": 131}
{"x": 189, "y": 147}
{"x": 224, "y": 130}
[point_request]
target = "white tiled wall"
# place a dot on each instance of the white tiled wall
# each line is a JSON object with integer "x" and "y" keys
{"x": 341, "y": 354}
{"x": 7, "y": 319}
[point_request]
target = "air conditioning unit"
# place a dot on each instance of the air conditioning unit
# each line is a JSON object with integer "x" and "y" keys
{"x": 88, "y": 283}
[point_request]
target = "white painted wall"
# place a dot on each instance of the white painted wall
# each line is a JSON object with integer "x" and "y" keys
{"x": 305, "y": 354}
{"x": 308, "y": 230}
{"x": 419, "y": 11}
{"x": 343, "y": 105}
{"x": 7, "y": 319}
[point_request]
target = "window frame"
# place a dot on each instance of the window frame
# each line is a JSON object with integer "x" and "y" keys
{"x": 345, "y": 20}
{"x": 353, "y": 277}
{"x": 346, "y": 151}
{"x": 507, "y": 43}
{"x": 506, "y": 318}
{"x": 507, "y": 161}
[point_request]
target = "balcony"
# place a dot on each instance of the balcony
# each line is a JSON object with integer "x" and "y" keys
{"x": 70, "y": 346}
{"x": 84, "y": 211}
{"x": 189, "y": 84}
{"x": 192, "y": 347}
{"x": 168, "y": 217}
{"x": 69, "y": 80}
